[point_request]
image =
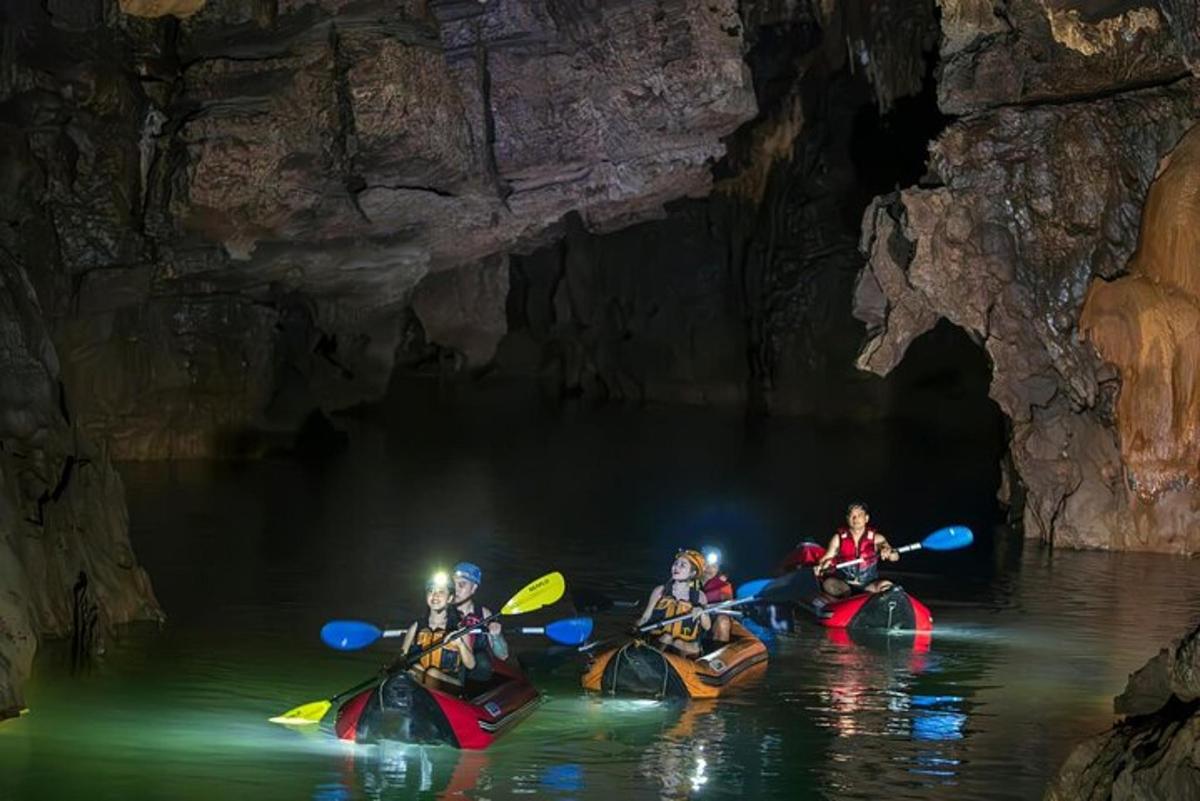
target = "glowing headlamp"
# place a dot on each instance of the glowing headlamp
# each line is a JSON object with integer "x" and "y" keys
{"x": 438, "y": 581}
{"x": 712, "y": 556}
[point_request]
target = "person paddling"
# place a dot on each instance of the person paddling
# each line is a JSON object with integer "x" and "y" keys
{"x": 443, "y": 668}
{"x": 717, "y": 588}
{"x": 679, "y": 596}
{"x": 856, "y": 540}
{"x": 467, "y": 578}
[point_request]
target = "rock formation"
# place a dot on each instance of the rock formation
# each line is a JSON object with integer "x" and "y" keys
{"x": 66, "y": 566}
{"x": 1031, "y": 195}
{"x": 234, "y": 204}
{"x": 1152, "y": 753}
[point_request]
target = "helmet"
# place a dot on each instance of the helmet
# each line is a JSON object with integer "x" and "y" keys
{"x": 694, "y": 557}
{"x": 438, "y": 581}
{"x": 471, "y": 572}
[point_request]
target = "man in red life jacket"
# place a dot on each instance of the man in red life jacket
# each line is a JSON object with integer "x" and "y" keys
{"x": 716, "y": 588}
{"x": 856, "y": 540}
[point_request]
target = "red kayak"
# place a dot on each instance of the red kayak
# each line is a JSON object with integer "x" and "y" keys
{"x": 401, "y": 708}
{"x": 893, "y": 609}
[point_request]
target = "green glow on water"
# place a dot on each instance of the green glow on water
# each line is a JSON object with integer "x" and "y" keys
{"x": 249, "y": 561}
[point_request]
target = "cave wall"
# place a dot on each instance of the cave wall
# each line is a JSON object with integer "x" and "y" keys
{"x": 1037, "y": 189}
{"x": 226, "y": 212}
{"x": 740, "y": 298}
{"x": 66, "y": 565}
{"x": 1147, "y": 323}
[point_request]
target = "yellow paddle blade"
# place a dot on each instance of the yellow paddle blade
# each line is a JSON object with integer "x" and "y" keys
{"x": 538, "y": 593}
{"x": 303, "y": 715}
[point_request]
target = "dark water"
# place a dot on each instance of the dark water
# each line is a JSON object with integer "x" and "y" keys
{"x": 249, "y": 561}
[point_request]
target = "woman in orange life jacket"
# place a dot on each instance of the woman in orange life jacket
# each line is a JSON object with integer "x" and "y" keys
{"x": 854, "y": 541}
{"x": 467, "y": 578}
{"x": 680, "y": 595}
{"x": 716, "y": 588}
{"x": 443, "y": 668}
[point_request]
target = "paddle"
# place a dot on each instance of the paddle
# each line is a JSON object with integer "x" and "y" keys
{"x": 950, "y": 538}
{"x": 783, "y": 589}
{"x": 351, "y": 635}
{"x": 538, "y": 593}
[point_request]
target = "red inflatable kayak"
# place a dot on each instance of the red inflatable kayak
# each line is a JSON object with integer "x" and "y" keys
{"x": 401, "y": 708}
{"x": 894, "y": 609}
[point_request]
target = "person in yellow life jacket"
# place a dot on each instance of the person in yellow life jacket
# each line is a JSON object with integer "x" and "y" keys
{"x": 678, "y": 596}
{"x": 443, "y": 668}
{"x": 717, "y": 588}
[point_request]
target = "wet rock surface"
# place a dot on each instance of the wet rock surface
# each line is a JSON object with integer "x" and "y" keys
{"x": 1152, "y": 753}
{"x": 225, "y": 212}
{"x": 1037, "y": 51}
{"x": 66, "y": 566}
{"x": 1147, "y": 323}
{"x": 1033, "y": 203}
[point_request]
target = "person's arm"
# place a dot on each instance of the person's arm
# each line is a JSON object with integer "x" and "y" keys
{"x": 409, "y": 636}
{"x": 654, "y": 596}
{"x": 401, "y": 661}
{"x": 886, "y": 551}
{"x": 495, "y": 635}
{"x": 465, "y": 652}
{"x": 704, "y": 617}
{"x": 830, "y": 554}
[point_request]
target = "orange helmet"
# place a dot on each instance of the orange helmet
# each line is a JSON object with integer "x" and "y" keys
{"x": 695, "y": 558}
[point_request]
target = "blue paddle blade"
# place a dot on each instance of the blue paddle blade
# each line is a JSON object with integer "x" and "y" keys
{"x": 950, "y": 538}
{"x": 751, "y": 588}
{"x": 349, "y": 635}
{"x": 571, "y": 631}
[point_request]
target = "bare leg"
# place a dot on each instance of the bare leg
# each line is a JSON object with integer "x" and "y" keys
{"x": 689, "y": 649}
{"x": 835, "y": 587}
{"x": 720, "y": 629}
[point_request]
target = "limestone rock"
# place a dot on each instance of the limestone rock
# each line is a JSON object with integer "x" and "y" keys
{"x": 1006, "y": 249}
{"x": 1148, "y": 324}
{"x": 66, "y": 566}
{"x": 1032, "y": 51}
{"x": 1153, "y": 752}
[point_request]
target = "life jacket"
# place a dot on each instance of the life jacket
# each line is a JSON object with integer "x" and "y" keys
{"x": 863, "y": 573}
{"x": 669, "y": 606}
{"x": 447, "y": 659}
{"x": 718, "y": 589}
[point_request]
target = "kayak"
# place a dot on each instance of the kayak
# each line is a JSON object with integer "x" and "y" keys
{"x": 639, "y": 668}
{"x": 401, "y": 708}
{"x": 892, "y": 609}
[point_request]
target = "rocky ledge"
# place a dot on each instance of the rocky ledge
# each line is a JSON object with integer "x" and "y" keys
{"x": 1155, "y": 752}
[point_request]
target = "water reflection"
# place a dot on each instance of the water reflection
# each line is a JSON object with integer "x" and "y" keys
{"x": 680, "y": 762}
{"x": 392, "y": 770}
{"x": 886, "y": 693}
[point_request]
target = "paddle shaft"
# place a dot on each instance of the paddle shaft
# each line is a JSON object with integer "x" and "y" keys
{"x": 916, "y": 546}
{"x": 409, "y": 661}
{"x": 714, "y": 609}
{"x": 524, "y": 630}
